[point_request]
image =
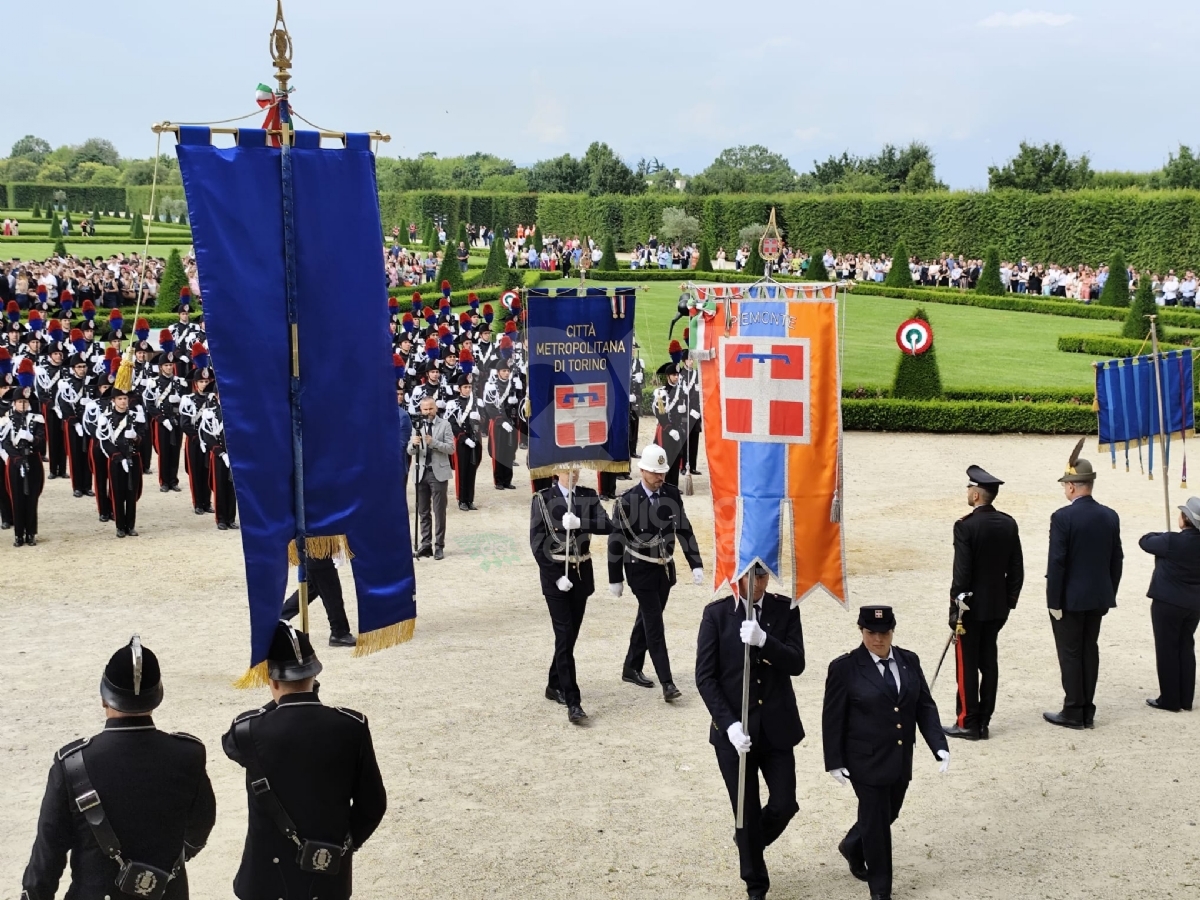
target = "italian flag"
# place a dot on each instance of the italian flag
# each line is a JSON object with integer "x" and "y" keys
{"x": 264, "y": 96}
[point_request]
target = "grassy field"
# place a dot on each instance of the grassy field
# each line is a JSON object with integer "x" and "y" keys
{"x": 975, "y": 347}
{"x": 91, "y": 248}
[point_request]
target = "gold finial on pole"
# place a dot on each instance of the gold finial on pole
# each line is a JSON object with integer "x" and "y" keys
{"x": 281, "y": 49}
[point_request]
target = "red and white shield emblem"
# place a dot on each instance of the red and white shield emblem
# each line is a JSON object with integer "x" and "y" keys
{"x": 580, "y": 414}
{"x": 765, "y": 389}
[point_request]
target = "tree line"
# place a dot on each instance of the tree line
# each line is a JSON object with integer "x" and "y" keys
{"x": 752, "y": 169}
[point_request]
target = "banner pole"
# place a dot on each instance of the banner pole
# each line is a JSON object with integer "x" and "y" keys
{"x": 1162, "y": 424}
{"x": 741, "y": 799}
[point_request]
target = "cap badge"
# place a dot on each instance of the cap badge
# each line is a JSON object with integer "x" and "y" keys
{"x": 135, "y": 644}
{"x": 879, "y": 613}
{"x": 662, "y": 459}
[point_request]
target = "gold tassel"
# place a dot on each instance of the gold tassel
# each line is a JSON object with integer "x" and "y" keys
{"x": 383, "y": 638}
{"x": 595, "y": 465}
{"x": 124, "y": 379}
{"x": 255, "y": 677}
{"x": 320, "y": 548}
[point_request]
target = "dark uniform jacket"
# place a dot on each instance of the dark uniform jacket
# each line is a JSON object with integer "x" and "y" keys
{"x": 868, "y": 732}
{"x": 321, "y": 765}
{"x": 1176, "y": 578}
{"x": 640, "y": 529}
{"x": 1083, "y": 568}
{"x": 156, "y": 795}
{"x": 720, "y": 656}
{"x": 987, "y": 563}
{"x": 547, "y": 537}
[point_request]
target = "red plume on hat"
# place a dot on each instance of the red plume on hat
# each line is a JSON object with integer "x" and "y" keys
{"x": 464, "y": 319}
{"x": 77, "y": 335}
{"x": 35, "y": 320}
{"x": 199, "y": 356}
{"x": 416, "y": 302}
{"x": 430, "y": 315}
{"x": 5, "y": 362}
{"x": 54, "y": 329}
{"x": 466, "y": 361}
{"x": 112, "y": 353}
{"x": 445, "y": 288}
{"x": 393, "y": 303}
{"x": 25, "y": 372}
{"x": 676, "y": 352}
{"x": 399, "y": 365}
{"x": 510, "y": 327}
{"x": 13, "y": 310}
{"x": 89, "y": 310}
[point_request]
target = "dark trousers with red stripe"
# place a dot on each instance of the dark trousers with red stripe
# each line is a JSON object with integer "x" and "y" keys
{"x": 145, "y": 449}
{"x": 56, "y": 442}
{"x": 100, "y": 480}
{"x": 77, "y": 456}
{"x": 166, "y": 445}
{"x": 25, "y": 478}
{"x": 224, "y": 498}
{"x": 126, "y": 489}
{"x": 6, "y": 511}
{"x": 466, "y": 464}
{"x": 978, "y": 673}
{"x": 199, "y": 478}
{"x": 502, "y": 445}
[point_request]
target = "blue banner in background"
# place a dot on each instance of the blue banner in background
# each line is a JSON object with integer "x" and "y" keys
{"x": 353, "y": 464}
{"x": 1127, "y": 397}
{"x": 580, "y": 355}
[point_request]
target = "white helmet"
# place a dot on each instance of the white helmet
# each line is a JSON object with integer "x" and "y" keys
{"x": 654, "y": 459}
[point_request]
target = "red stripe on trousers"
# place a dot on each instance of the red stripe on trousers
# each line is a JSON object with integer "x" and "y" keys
{"x": 962, "y": 691}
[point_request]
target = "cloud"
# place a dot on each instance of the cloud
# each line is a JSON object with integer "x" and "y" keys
{"x": 1026, "y": 18}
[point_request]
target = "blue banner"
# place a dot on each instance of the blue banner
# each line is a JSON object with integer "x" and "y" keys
{"x": 350, "y": 437}
{"x": 580, "y": 357}
{"x": 1127, "y": 400}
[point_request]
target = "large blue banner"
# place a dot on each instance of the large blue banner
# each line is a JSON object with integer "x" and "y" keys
{"x": 1127, "y": 400}
{"x": 580, "y": 358}
{"x": 353, "y": 465}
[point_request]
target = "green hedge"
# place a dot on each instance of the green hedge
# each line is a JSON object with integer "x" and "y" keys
{"x": 974, "y": 394}
{"x": 1108, "y": 347}
{"x": 966, "y": 417}
{"x": 496, "y": 210}
{"x": 79, "y": 196}
{"x": 138, "y": 197}
{"x": 75, "y": 238}
{"x": 1013, "y": 302}
{"x": 676, "y": 275}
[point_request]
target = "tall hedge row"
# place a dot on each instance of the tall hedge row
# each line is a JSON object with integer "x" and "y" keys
{"x": 80, "y": 197}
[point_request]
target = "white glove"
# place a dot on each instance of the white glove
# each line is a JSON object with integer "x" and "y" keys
{"x": 673, "y": 434}
{"x": 130, "y": 433}
{"x": 507, "y": 427}
{"x": 564, "y": 583}
{"x": 470, "y": 443}
{"x": 512, "y": 401}
{"x": 24, "y": 435}
{"x": 1056, "y": 615}
{"x": 139, "y": 416}
{"x": 697, "y": 576}
{"x": 681, "y": 409}
{"x": 841, "y": 776}
{"x": 570, "y": 521}
{"x": 737, "y": 737}
{"x": 225, "y": 459}
{"x": 166, "y": 423}
{"x": 616, "y": 588}
{"x": 753, "y": 634}
{"x": 944, "y": 756}
{"x": 441, "y": 404}
{"x": 475, "y": 415}
{"x": 79, "y": 429}
{"x": 633, "y": 398}
{"x": 174, "y": 398}
{"x": 695, "y": 413}
{"x": 125, "y": 465}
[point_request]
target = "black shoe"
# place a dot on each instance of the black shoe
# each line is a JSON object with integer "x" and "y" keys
{"x": 510, "y": 487}
{"x": 1154, "y": 704}
{"x": 120, "y": 533}
{"x": 209, "y": 510}
{"x": 132, "y": 532}
{"x": 90, "y": 493}
{"x": 31, "y": 541}
{"x": 1059, "y": 719}
{"x": 175, "y": 488}
{"x": 438, "y": 554}
{"x": 233, "y": 526}
{"x": 696, "y": 472}
{"x": 198, "y": 510}
{"x": 342, "y": 640}
{"x": 633, "y": 676}
{"x": 76, "y": 494}
{"x": 983, "y": 732}
{"x": 556, "y": 696}
{"x": 472, "y": 506}
{"x": 4, "y": 526}
{"x": 670, "y": 692}
{"x": 18, "y": 542}
{"x": 756, "y": 895}
{"x": 858, "y": 866}
{"x": 881, "y": 897}
{"x": 954, "y": 731}
{"x": 420, "y": 553}
{"x": 221, "y": 526}
{"x": 464, "y": 507}
{"x": 163, "y": 488}
{"x": 499, "y": 487}
{"x": 106, "y": 518}
{"x": 575, "y": 713}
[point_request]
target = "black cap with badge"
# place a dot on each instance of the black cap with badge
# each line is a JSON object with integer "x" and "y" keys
{"x": 977, "y": 477}
{"x": 132, "y": 681}
{"x": 291, "y": 657}
{"x": 879, "y": 619}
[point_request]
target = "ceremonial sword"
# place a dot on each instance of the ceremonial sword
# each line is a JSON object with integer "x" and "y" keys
{"x": 960, "y": 601}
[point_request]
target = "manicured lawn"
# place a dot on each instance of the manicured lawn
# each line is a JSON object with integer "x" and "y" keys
{"x": 975, "y": 347}
{"x": 90, "y": 248}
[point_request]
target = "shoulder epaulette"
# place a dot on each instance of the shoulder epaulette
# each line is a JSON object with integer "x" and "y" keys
{"x": 840, "y": 658}
{"x": 719, "y": 601}
{"x": 250, "y": 715}
{"x": 352, "y": 713}
{"x": 73, "y": 747}
{"x": 185, "y": 736}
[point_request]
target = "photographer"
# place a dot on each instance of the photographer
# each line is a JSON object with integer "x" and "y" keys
{"x": 431, "y": 445}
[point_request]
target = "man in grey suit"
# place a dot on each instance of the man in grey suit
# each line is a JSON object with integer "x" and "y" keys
{"x": 431, "y": 445}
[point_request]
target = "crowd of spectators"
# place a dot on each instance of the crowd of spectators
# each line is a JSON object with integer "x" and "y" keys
{"x": 108, "y": 283}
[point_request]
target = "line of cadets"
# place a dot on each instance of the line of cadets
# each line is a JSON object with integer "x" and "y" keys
{"x": 74, "y": 423}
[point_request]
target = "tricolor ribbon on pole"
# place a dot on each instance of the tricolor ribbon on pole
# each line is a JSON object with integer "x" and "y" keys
{"x": 272, "y": 101}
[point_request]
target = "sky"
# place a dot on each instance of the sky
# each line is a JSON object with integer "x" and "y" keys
{"x": 677, "y": 81}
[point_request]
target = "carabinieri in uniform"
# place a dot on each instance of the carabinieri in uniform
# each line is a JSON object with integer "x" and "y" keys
{"x": 314, "y": 789}
{"x": 129, "y": 805}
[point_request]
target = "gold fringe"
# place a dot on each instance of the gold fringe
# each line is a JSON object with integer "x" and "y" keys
{"x": 124, "y": 379}
{"x": 383, "y": 638}
{"x": 596, "y": 465}
{"x": 320, "y": 548}
{"x": 255, "y": 677}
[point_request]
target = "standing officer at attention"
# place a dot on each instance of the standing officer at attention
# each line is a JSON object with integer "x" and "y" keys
{"x": 1175, "y": 610}
{"x": 989, "y": 566}
{"x": 314, "y": 789}
{"x": 875, "y": 700}
{"x": 776, "y": 643}
{"x": 129, "y": 805}
{"x": 1083, "y": 571}
{"x": 563, "y": 518}
{"x": 646, "y": 519}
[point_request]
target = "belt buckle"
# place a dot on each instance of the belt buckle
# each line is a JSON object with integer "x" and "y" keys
{"x": 87, "y": 801}
{"x": 260, "y": 787}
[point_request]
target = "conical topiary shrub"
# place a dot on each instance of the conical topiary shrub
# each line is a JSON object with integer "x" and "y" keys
{"x": 898, "y": 275}
{"x": 173, "y": 280}
{"x": 1137, "y": 326}
{"x": 1116, "y": 288}
{"x": 55, "y": 230}
{"x": 755, "y": 264}
{"x": 703, "y": 260}
{"x": 990, "y": 282}
{"x": 449, "y": 270}
{"x": 917, "y": 377}
{"x": 137, "y": 230}
{"x": 608, "y": 256}
{"x": 493, "y": 273}
{"x": 537, "y": 239}
{"x": 60, "y": 249}
{"x": 816, "y": 269}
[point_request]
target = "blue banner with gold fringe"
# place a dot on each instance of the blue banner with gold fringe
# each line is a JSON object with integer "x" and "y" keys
{"x": 1127, "y": 403}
